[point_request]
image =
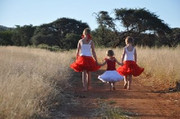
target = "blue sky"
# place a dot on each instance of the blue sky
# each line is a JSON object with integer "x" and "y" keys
{"x": 37, "y": 12}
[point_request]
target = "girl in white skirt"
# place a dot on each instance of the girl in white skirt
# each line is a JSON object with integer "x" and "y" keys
{"x": 110, "y": 75}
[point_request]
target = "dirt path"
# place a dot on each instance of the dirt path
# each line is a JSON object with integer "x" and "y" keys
{"x": 140, "y": 102}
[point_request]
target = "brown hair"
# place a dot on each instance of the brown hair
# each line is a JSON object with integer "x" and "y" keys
{"x": 86, "y": 31}
{"x": 129, "y": 40}
{"x": 110, "y": 53}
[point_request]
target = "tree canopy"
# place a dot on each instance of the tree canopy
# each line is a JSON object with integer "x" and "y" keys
{"x": 143, "y": 25}
{"x": 64, "y": 33}
{"x": 57, "y": 33}
{"x": 141, "y": 20}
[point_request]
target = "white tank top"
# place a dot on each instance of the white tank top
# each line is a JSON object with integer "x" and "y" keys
{"x": 86, "y": 49}
{"x": 129, "y": 55}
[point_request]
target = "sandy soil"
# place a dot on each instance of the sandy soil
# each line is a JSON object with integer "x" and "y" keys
{"x": 141, "y": 101}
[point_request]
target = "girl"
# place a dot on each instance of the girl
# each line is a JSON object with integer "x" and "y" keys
{"x": 84, "y": 61}
{"x": 129, "y": 59}
{"x": 111, "y": 75}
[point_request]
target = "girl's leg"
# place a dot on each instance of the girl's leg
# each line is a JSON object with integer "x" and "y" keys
{"x": 114, "y": 86}
{"x": 84, "y": 80}
{"x": 129, "y": 82}
{"x": 83, "y": 76}
{"x": 110, "y": 85}
{"x": 89, "y": 79}
{"x": 125, "y": 82}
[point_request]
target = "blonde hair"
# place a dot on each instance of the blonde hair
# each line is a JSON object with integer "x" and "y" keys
{"x": 110, "y": 53}
{"x": 129, "y": 40}
{"x": 86, "y": 31}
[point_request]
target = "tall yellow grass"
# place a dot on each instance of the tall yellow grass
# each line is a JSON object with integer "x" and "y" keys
{"x": 28, "y": 76}
{"x": 27, "y": 80}
{"x": 162, "y": 65}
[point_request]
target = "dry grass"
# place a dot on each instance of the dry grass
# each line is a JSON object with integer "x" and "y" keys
{"x": 28, "y": 76}
{"x": 162, "y": 65}
{"x": 28, "y": 81}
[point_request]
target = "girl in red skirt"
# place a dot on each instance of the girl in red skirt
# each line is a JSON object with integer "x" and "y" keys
{"x": 129, "y": 59}
{"x": 86, "y": 60}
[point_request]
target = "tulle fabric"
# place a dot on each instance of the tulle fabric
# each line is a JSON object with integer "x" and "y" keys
{"x": 84, "y": 63}
{"x": 110, "y": 76}
{"x": 130, "y": 68}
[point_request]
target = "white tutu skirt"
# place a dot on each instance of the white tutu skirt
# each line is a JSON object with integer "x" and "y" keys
{"x": 110, "y": 76}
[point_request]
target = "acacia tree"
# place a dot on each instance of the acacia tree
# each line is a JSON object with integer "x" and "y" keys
{"x": 104, "y": 20}
{"x": 141, "y": 21}
{"x": 138, "y": 23}
{"x": 106, "y": 32}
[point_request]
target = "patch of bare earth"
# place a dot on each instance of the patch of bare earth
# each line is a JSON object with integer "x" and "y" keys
{"x": 141, "y": 101}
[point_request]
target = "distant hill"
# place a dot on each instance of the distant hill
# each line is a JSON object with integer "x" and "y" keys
{"x": 3, "y": 28}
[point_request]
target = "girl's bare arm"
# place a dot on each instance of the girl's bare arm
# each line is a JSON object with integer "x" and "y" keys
{"x": 122, "y": 57}
{"x": 78, "y": 49}
{"x": 93, "y": 51}
{"x": 118, "y": 62}
{"x": 102, "y": 63}
{"x": 135, "y": 55}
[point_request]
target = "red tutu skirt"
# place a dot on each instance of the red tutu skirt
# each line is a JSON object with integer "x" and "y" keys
{"x": 84, "y": 63}
{"x": 130, "y": 68}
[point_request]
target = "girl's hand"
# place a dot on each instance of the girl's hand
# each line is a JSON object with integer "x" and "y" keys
{"x": 102, "y": 64}
{"x": 97, "y": 63}
{"x": 120, "y": 64}
{"x": 77, "y": 56}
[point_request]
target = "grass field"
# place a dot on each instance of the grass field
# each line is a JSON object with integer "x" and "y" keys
{"x": 28, "y": 81}
{"x": 28, "y": 76}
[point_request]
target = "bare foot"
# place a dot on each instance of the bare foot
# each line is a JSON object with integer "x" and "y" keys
{"x": 128, "y": 88}
{"x": 110, "y": 89}
{"x": 125, "y": 86}
{"x": 84, "y": 89}
{"x": 89, "y": 88}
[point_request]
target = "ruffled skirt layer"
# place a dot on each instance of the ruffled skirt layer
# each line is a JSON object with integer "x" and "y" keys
{"x": 130, "y": 68}
{"x": 84, "y": 63}
{"x": 110, "y": 76}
